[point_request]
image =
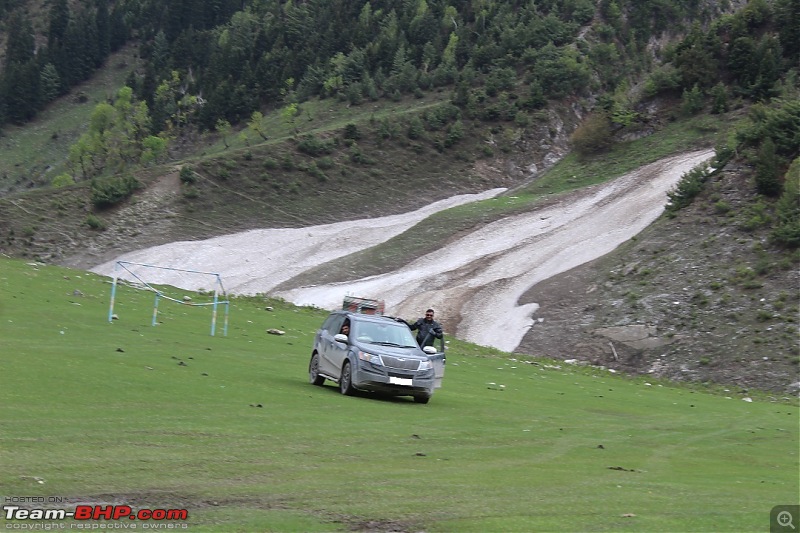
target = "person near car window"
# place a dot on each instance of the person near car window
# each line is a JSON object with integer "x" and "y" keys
{"x": 427, "y": 329}
{"x": 345, "y": 328}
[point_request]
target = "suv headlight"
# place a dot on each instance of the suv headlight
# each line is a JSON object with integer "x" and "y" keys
{"x": 371, "y": 358}
{"x": 425, "y": 365}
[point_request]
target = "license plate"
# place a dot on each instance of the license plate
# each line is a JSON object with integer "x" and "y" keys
{"x": 399, "y": 381}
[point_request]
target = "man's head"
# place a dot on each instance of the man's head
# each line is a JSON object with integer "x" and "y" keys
{"x": 429, "y": 314}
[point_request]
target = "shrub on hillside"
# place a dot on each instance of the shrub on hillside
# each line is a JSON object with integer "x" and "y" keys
{"x": 594, "y": 135}
{"x": 767, "y": 176}
{"x": 689, "y": 186}
{"x": 108, "y": 192}
{"x": 95, "y": 222}
{"x": 351, "y": 132}
{"x": 187, "y": 175}
{"x": 787, "y": 210}
{"x": 314, "y": 146}
{"x": 62, "y": 180}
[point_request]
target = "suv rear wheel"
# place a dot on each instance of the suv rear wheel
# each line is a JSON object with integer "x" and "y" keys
{"x": 346, "y": 381}
{"x": 313, "y": 370}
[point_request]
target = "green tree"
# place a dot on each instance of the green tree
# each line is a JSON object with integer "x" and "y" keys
{"x": 787, "y": 209}
{"x": 768, "y": 57}
{"x": 49, "y": 83}
{"x": 154, "y": 148}
{"x": 694, "y": 61}
{"x": 690, "y": 185}
{"x": 559, "y": 71}
{"x": 21, "y": 91}
{"x": 787, "y": 19}
{"x": 767, "y": 175}
{"x": 103, "y": 23}
{"x": 455, "y": 132}
{"x": 779, "y": 121}
{"x": 416, "y": 129}
{"x": 20, "y": 43}
{"x": 20, "y": 74}
{"x": 118, "y": 137}
{"x": 692, "y": 101}
{"x": 742, "y": 62}
{"x": 289, "y": 113}
{"x": 165, "y": 102}
{"x": 719, "y": 99}
{"x": 256, "y": 124}
{"x": 80, "y": 157}
{"x": 58, "y": 22}
{"x": 223, "y": 127}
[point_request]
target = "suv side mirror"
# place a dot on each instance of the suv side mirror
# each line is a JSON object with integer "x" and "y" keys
{"x": 430, "y": 350}
{"x": 340, "y": 337}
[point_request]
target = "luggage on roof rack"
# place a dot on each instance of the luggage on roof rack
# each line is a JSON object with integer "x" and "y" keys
{"x": 367, "y": 306}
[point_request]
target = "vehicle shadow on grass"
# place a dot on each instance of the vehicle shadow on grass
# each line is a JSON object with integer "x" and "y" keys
{"x": 331, "y": 388}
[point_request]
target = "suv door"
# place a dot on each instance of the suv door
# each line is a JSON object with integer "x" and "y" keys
{"x": 438, "y": 360}
{"x": 327, "y": 346}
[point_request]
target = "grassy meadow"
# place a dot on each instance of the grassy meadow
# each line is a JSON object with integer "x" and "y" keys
{"x": 229, "y": 428}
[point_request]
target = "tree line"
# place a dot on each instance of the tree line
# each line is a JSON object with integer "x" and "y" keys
{"x": 237, "y": 57}
{"x": 208, "y": 64}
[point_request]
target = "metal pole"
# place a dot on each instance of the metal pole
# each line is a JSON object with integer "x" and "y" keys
{"x": 155, "y": 309}
{"x": 214, "y": 314}
{"x": 113, "y": 293}
{"x": 214, "y": 308}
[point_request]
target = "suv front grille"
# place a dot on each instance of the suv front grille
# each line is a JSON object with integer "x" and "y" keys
{"x": 403, "y": 363}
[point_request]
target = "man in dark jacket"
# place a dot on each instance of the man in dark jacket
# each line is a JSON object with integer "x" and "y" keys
{"x": 427, "y": 329}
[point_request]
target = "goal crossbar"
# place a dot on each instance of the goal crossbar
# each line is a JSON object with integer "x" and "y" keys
{"x": 219, "y": 290}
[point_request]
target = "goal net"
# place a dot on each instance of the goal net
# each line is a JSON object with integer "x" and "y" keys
{"x": 164, "y": 282}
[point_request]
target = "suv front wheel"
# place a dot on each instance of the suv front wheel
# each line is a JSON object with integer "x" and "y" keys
{"x": 346, "y": 381}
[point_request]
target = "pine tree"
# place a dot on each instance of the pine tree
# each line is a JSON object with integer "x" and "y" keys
{"x": 767, "y": 179}
{"x": 59, "y": 22}
{"x": 49, "y": 84}
{"x": 20, "y": 44}
{"x": 787, "y": 209}
{"x": 103, "y": 24}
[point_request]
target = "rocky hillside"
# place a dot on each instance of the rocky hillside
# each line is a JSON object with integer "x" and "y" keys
{"x": 701, "y": 297}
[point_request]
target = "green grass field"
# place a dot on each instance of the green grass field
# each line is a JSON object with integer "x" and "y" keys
{"x": 229, "y": 428}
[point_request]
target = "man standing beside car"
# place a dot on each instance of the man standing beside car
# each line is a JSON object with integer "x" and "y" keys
{"x": 427, "y": 329}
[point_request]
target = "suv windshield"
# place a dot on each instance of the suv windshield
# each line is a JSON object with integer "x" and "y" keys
{"x": 386, "y": 334}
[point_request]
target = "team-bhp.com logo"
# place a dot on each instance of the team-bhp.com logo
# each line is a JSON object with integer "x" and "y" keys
{"x": 87, "y": 516}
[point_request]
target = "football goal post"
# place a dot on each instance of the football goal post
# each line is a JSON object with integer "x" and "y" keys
{"x": 135, "y": 273}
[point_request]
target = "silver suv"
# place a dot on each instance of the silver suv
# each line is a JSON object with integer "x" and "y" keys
{"x": 374, "y": 353}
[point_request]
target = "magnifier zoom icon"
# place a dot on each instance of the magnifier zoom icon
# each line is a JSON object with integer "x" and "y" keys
{"x": 785, "y": 519}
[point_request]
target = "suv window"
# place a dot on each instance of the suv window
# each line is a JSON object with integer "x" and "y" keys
{"x": 333, "y": 324}
{"x": 389, "y": 333}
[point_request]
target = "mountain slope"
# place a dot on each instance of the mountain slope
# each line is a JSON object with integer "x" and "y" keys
{"x": 698, "y": 297}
